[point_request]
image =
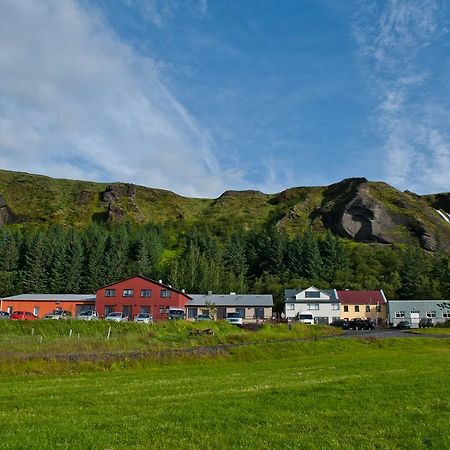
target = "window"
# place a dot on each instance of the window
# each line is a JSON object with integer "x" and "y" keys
{"x": 367, "y": 308}
{"x": 333, "y": 319}
{"x": 161, "y": 309}
{"x": 167, "y": 309}
{"x": 127, "y": 310}
{"x": 356, "y": 308}
{"x": 446, "y": 314}
{"x": 314, "y": 306}
{"x": 110, "y": 292}
{"x": 290, "y": 306}
{"x": 335, "y": 306}
{"x": 146, "y": 293}
{"x": 128, "y": 293}
{"x": 345, "y": 308}
{"x": 9, "y": 309}
{"x": 241, "y": 312}
{"x": 165, "y": 293}
{"x": 145, "y": 310}
{"x": 36, "y": 311}
{"x": 399, "y": 314}
{"x": 431, "y": 314}
{"x": 259, "y": 313}
{"x": 312, "y": 294}
{"x": 378, "y": 307}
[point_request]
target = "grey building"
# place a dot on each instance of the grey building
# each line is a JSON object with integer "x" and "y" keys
{"x": 251, "y": 307}
{"x": 414, "y": 310}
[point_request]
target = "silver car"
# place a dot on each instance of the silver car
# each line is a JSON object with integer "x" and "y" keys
{"x": 117, "y": 317}
{"x": 58, "y": 314}
{"x": 88, "y": 315}
{"x": 143, "y": 318}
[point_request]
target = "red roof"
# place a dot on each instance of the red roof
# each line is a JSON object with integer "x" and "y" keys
{"x": 361, "y": 297}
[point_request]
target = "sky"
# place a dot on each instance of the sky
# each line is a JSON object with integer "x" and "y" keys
{"x": 201, "y": 96}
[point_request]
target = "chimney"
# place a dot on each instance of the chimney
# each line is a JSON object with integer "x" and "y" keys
{"x": 160, "y": 282}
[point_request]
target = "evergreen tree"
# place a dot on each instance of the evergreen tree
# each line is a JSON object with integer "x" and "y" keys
{"x": 74, "y": 264}
{"x": 311, "y": 259}
{"x": 36, "y": 278}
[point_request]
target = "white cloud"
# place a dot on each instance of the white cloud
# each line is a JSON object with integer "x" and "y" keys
{"x": 392, "y": 37}
{"x": 76, "y": 102}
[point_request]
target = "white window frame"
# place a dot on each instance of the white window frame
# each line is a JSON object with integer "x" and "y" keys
{"x": 446, "y": 314}
{"x": 431, "y": 314}
{"x": 335, "y": 306}
{"x": 399, "y": 314}
{"x": 290, "y": 306}
{"x": 312, "y": 306}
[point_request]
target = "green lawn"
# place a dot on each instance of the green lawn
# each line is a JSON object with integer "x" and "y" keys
{"x": 323, "y": 394}
{"x": 435, "y": 330}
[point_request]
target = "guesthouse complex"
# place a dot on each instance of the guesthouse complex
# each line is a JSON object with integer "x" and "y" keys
{"x": 139, "y": 294}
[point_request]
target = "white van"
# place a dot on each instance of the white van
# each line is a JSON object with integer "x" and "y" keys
{"x": 305, "y": 318}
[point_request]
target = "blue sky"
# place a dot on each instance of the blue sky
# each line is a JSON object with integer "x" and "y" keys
{"x": 202, "y": 96}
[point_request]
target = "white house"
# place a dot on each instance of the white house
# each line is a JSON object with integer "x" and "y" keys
{"x": 323, "y": 304}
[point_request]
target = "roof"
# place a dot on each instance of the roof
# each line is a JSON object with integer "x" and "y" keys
{"x": 361, "y": 297}
{"x": 146, "y": 279}
{"x": 52, "y": 297}
{"x": 231, "y": 300}
{"x": 290, "y": 294}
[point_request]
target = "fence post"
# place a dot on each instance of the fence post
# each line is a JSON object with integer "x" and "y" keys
{"x": 70, "y": 333}
{"x": 32, "y": 332}
{"x": 40, "y": 339}
{"x": 109, "y": 332}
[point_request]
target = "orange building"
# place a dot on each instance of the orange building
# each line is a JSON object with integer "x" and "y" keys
{"x": 41, "y": 304}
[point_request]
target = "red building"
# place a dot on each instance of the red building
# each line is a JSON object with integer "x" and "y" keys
{"x": 42, "y": 304}
{"x": 139, "y": 294}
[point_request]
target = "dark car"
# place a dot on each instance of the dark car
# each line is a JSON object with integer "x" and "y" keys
{"x": 426, "y": 323}
{"x": 403, "y": 325}
{"x": 340, "y": 324}
{"x": 4, "y": 315}
{"x": 23, "y": 315}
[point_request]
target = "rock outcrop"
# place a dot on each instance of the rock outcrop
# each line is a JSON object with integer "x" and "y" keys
{"x": 6, "y": 215}
{"x": 117, "y": 193}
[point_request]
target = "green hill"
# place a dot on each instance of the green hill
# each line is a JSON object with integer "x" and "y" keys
{"x": 371, "y": 212}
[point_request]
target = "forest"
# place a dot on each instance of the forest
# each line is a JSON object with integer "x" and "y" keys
{"x": 59, "y": 259}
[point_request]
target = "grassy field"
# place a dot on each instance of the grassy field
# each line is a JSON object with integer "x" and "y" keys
{"x": 435, "y": 330}
{"x": 333, "y": 393}
{"x": 21, "y": 340}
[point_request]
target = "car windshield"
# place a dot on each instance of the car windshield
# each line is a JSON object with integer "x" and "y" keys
{"x": 233, "y": 315}
{"x": 305, "y": 317}
{"x": 143, "y": 315}
{"x": 86, "y": 313}
{"x": 115, "y": 314}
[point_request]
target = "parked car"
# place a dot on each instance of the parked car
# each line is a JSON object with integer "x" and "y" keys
{"x": 202, "y": 317}
{"x": 88, "y": 315}
{"x": 403, "y": 325}
{"x": 4, "y": 315}
{"x": 143, "y": 318}
{"x": 175, "y": 314}
{"x": 361, "y": 324}
{"x": 340, "y": 324}
{"x": 305, "y": 318}
{"x": 234, "y": 318}
{"x": 58, "y": 314}
{"x": 426, "y": 323}
{"x": 117, "y": 317}
{"x": 23, "y": 315}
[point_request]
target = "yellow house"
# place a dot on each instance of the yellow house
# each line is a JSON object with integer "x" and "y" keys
{"x": 363, "y": 305}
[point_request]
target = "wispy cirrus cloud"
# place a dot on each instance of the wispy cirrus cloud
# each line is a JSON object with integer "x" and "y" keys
{"x": 76, "y": 102}
{"x": 396, "y": 46}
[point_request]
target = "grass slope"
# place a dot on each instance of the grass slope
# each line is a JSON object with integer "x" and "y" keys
{"x": 389, "y": 394}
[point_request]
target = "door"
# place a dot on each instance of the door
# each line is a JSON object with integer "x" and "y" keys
{"x": 127, "y": 311}
{"x": 415, "y": 317}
